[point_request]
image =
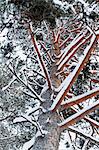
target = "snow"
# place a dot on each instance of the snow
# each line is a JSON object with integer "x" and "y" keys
{"x": 3, "y": 35}
{"x": 87, "y": 136}
{"x": 74, "y": 99}
{"x": 45, "y": 88}
{"x": 80, "y": 113}
{"x": 58, "y": 2}
{"x": 24, "y": 118}
{"x": 64, "y": 5}
{"x": 75, "y": 40}
{"x": 19, "y": 119}
{"x": 4, "y": 88}
{"x": 65, "y": 84}
{"x": 83, "y": 2}
{"x": 20, "y": 53}
{"x": 66, "y": 138}
{"x": 70, "y": 54}
{"x": 7, "y": 2}
{"x": 30, "y": 143}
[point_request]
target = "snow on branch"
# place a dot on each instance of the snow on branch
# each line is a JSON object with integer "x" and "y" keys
{"x": 25, "y": 84}
{"x": 79, "y": 115}
{"x": 7, "y": 86}
{"x": 65, "y": 41}
{"x": 91, "y": 121}
{"x": 46, "y": 50}
{"x": 68, "y": 82}
{"x": 28, "y": 145}
{"x": 8, "y": 116}
{"x": 86, "y": 136}
{"x": 72, "y": 45}
{"x": 70, "y": 55}
{"x": 80, "y": 98}
{"x": 57, "y": 37}
{"x": 24, "y": 118}
{"x": 40, "y": 58}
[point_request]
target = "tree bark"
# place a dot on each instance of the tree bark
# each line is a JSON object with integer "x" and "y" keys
{"x": 51, "y": 140}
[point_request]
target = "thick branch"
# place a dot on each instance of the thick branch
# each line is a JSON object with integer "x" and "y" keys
{"x": 80, "y": 98}
{"x": 68, "y": 82}
{"x": 76, "y": 117}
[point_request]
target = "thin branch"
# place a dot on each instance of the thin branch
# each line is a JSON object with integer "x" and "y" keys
{"x": 39, "y": 56}
{"x": 79, "y": 38}
{"x": 45, "y": 49}
{"x": 9, "y": 116}
{"x": 91, "y": 121}
{"x": 27, "y": 86}
{"x": 65, "y": 41}
{"x": 92, "y": 139}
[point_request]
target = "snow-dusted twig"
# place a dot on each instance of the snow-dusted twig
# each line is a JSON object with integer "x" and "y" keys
{"x": 9, "y": 116}
{"x": 9, "y": 84}
{"x": 38, "y": 125}
{"x": 27, "y": 86}
{"x": 93, "y": 140}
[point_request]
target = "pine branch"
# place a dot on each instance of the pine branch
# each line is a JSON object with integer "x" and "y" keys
{"x": 80, "y": 98}
{"x": 70, "y": 55}
{"x": 68, "y": 82}
{"x": 79, "y": 38}
{"x": 79, "y": 115}
{"x": 40, "y": 59}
